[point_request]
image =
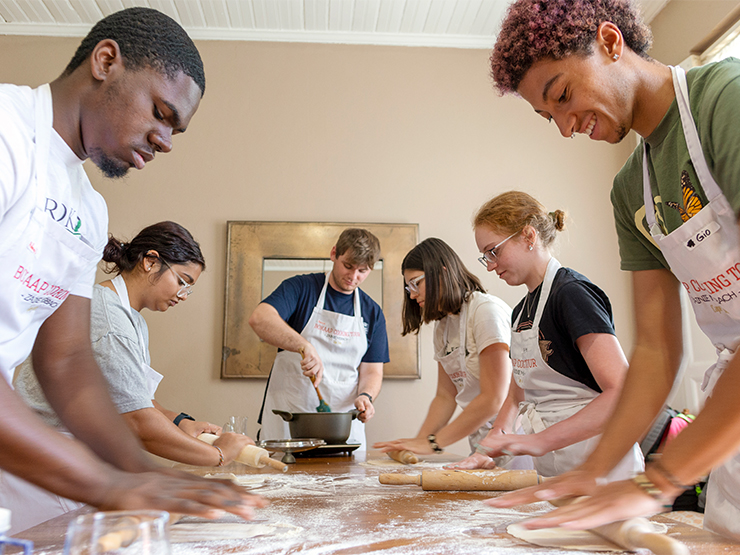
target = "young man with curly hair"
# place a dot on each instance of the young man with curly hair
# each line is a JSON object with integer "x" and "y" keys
{"x": 136, "y": 80}
{"x": 584, "y": 65}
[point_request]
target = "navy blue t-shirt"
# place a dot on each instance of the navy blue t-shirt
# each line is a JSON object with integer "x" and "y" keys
{"x": 296, "y": 297}
{"x": 575, "y": 307}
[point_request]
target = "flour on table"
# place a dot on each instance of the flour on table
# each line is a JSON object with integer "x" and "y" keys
{"x": 390, "y": 463}
{"x": 569, "y": 539}
{"x": 224, "y": 531}
{"x": 241, "y": 480}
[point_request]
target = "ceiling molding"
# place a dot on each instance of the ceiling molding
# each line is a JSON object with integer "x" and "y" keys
{"x": 423, "y": 23}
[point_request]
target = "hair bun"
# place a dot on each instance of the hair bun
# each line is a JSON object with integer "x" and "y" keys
{"x": 558, "y": 218}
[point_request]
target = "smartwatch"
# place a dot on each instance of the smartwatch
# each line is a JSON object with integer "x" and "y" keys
{"x": 182, "y": 416}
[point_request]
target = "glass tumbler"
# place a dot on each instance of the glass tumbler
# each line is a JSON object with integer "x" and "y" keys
{"x": 119, "y": 533}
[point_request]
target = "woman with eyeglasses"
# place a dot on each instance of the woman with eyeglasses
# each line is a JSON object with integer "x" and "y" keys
{"x": 568, "y": 366}
{"x": 156, "y": 270}
{"x": 471, "y": 347}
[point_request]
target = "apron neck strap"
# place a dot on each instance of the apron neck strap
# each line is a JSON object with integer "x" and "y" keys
{"x": 322, "y": 297}
{"x": 693, "y": 144}
{"x": 553, "y": 265}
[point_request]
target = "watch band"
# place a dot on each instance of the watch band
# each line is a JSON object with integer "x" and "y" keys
{"x": 182, "y": 416}
{"x": 432, "y": 439}
{"x": 644, "y": 483}
{"x": 368, "y": 396}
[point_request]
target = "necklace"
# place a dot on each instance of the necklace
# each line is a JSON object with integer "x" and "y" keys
{"x": 529, "y": 301}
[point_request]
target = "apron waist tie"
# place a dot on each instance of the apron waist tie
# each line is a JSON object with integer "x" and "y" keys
{"x": 714, "y": 372}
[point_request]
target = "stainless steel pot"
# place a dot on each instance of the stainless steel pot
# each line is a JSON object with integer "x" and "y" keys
{"x": 332, "y": 427}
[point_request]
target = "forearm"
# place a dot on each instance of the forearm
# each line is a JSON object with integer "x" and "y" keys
{"x": 713, "y": 437}
{"x": 77, "y": 391}
{"x": 440, "y": 411}
{"x": 89, "y": 414}
{"x": 271, "y": 328}
{"x": 480, "y": 410}
{"x": 642, "y": 398}
{"x": 652, "y": 368}
{"x": 33, "y": 451}
{"x": 370, "y": 379}
{"x": 506, "y": 417}
{"x": 162, "y": 438}
{"x": 586, "y": 423}
{"x": 169, "y": 414}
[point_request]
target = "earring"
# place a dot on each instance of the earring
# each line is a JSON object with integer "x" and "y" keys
{"x": 615, "y": 57}
{"x": 531, "y": 246}
{"x": 573, "y": 135}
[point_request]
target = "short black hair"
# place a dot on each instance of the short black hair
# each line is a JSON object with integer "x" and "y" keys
{"x": 147, "y": 38}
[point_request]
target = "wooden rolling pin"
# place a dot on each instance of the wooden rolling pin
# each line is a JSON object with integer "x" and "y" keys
{"x": 634, "y": 533}
{"x": 251, "y": 455}
{"x": 466, "y": 480}
{"x": 404, "y": 456}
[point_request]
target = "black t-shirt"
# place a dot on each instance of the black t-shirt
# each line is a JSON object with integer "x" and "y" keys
{"x": 575, "y": 307}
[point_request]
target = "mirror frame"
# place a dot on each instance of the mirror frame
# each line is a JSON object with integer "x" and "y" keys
{"x": 244, "y": 355}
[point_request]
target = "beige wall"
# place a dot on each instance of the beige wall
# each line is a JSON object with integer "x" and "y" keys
{"x": 343, "y": 133}
{"x": 682, "y": 24}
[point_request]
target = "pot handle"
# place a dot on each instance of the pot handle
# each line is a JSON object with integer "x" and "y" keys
{"x": 284, "y": 414}
{"x": 355, "y": 413}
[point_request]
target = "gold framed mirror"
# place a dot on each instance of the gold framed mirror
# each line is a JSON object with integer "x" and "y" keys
{"x": 260, "y": 255}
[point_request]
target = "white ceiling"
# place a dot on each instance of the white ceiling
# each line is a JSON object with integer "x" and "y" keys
{"x": 441, "y": 23}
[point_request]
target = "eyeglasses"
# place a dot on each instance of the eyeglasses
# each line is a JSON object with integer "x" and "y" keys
{"x": 413, "y": 286}
{"x": 490, "y": 256}
{"x": 186, "y": 289}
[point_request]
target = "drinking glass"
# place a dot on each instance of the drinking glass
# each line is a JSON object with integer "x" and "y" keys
{"x": 237, "y": 424}
{"x": 119, "y": 533}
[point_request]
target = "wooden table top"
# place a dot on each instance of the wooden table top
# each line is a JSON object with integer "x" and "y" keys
{"x": 335, "y": 505}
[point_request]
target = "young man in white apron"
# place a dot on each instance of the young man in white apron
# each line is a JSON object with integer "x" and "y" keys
{"x": 53, "y": 227}
{"x": 340, "y": 332}
{"x": 675, "y": 204}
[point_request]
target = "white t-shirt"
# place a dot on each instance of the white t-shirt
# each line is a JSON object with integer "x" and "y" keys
{"x": 70, "y": 201}
{"x": 489, "y": 322}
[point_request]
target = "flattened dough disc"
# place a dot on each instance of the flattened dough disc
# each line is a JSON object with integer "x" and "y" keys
{"x": 569, "y": 539}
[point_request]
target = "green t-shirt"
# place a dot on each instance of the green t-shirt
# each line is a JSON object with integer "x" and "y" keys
{"x": 714, "y": 96}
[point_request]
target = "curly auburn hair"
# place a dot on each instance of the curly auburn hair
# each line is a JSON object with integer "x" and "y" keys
{"x": 147, "y": 38}
{"x": 536, "y": 29}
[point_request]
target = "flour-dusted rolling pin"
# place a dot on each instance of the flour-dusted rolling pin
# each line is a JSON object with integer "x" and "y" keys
{"x": 466, "y": 480}
{"x": 251, "y": 455}
{"x": 635, "y": 533}
{"x": 404, "y": 456}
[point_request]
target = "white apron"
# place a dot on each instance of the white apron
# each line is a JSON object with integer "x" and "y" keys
{"x": 453, "y": 363}
{"x": 39, "y": 263}
{"x": 551, "y": 397}
{"x": 340, "y": 342}
{"x": 701, "y": 254}
{"x": 152, "y": 376}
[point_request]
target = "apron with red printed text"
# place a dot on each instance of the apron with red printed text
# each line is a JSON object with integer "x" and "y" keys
{"x": 551, "y": 397}
{"x": 40, "y": 261}
{"x": 704, "y": 254}
{"x": 340, "y": 341}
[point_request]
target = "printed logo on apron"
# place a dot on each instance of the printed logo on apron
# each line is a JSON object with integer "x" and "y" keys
{"x": 40, "y": 261}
